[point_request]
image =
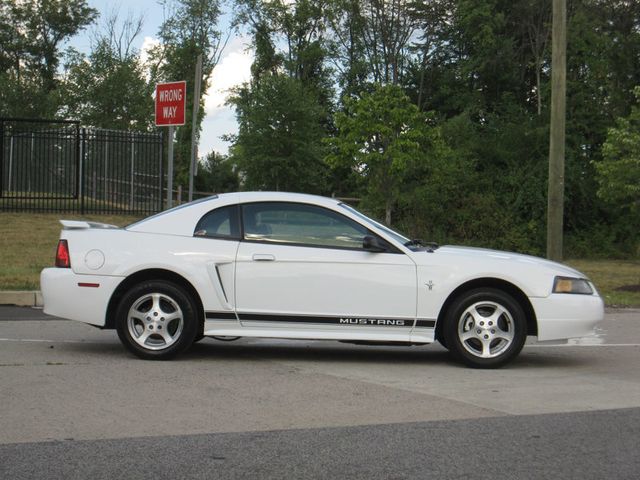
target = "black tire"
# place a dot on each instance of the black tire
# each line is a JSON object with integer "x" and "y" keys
{"x": 157, "y": 320}
{"x": 199, "y": 337}
{"x": 485, "y": 328}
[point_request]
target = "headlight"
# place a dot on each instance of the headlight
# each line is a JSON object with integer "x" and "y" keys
{"x": 572, "y": 285}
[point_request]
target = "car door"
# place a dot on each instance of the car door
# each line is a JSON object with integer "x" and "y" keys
{"x": 301, "y": 270}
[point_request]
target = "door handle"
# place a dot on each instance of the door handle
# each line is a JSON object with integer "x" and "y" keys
{"x": 263, "y": 257}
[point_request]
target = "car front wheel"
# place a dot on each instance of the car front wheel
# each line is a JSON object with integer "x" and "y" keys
{"x": 485, "y": 328}
{"x": 157, "y": 320}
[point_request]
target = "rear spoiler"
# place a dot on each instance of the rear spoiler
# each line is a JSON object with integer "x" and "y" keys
{"x": 81, "y": 225}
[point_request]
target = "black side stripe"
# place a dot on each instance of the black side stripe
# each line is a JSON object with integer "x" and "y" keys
{"x": 220, "y": 316}
{"x": 342, "y": 320}
{"x": 310, "y": 319}
{"x": 364, "y": 321}
{"x": 425, "y": 323}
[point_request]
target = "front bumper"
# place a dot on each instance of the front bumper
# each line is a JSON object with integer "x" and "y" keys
{"x": 562, "y": 316}
{"x": 74, "y": 297}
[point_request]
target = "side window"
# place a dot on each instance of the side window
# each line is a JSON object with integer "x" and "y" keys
{"x": 219, "y": 223}
{"x": 301, "y": 224}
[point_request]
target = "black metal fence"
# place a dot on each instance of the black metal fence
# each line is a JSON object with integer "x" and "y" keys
{"x": 56, "y": 166}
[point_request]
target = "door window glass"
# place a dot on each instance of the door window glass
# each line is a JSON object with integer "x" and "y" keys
{"x": 301, "y": 224}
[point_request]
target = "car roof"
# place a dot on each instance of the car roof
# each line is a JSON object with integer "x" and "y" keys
{"x": 181, "y": 220}
{"x": 245, "y": 197}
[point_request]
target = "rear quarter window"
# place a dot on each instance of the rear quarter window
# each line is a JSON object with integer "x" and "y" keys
{"x": 221, "y": 223}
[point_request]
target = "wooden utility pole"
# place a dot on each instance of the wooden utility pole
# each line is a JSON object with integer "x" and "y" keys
{"x": 194, "y": 124}
{"x": 555, "y": 205}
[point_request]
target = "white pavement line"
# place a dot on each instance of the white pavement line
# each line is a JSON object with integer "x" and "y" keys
{"x": 563, "y": 345}
{"x": 44, "y": 340}
{"x": 28, "y": 319}
{"x": 573, "y": 345}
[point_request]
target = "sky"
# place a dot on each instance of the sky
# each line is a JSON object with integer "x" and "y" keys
{"x": 233, "y": 68}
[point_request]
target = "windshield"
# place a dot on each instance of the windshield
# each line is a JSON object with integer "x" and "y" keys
{"x": 393, "y": 234}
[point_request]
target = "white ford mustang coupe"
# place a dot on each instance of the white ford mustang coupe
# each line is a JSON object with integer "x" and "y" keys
{"x": 283, "y": 265}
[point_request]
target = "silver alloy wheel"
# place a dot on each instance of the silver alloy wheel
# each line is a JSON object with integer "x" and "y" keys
{"x": 155, "y": 321}
{"x": 486, "y": 329}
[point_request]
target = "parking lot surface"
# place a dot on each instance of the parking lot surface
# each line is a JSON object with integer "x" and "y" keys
{"x": 75, "y": 404}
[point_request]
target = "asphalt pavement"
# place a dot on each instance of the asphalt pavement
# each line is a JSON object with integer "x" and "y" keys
{"x": 76, "y": 405}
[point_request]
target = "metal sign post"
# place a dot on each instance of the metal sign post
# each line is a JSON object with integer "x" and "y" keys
{"x": 170, "y": 169}
{"x": 170, "y": 111}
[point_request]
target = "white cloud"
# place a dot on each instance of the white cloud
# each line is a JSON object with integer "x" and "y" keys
{"x": 213, "y": 127}
{"x": 147, "y": 44}
{"x": 233, "y": 69}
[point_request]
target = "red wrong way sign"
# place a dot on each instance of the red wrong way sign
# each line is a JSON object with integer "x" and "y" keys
{"x": 170, "y": 103}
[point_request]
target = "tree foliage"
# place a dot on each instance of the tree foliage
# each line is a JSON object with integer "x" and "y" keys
{"x": 279, "y": 140}
{"x": 477, "y": 167}
{"x": 217, "y": 174}
{"x": 619, "y": 170}
{"x": 109, "y": 89}
{"x": 378, "y": 135}
{"x": 31, "y": 34}
{"x": 284, "y": 111}
{"x": 434, "y": 114}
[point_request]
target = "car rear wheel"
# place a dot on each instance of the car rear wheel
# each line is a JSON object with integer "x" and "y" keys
{"x": 485, "y": 328}
{"x": 157, "y": 320}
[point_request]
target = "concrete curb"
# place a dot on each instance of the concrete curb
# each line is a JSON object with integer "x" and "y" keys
{"x": 21, "y": 298}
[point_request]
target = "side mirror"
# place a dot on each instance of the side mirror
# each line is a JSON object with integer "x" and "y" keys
{"x": 372, "y": 244}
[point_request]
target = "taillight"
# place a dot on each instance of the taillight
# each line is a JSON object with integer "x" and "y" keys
{"x": 62, "y": 255}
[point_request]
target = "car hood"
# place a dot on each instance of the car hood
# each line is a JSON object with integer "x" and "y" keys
{"x": 499, "y": 258}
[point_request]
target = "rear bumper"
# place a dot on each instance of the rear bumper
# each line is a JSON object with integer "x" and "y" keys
{"x": 562, "y": 316}
{"x": 75, "y": 297}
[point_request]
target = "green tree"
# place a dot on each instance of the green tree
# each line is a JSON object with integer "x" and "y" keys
{"x": 481, "y": 70}
{"x": 108, "y": 89}
{"x": 298, "y": 28}
{"x": 378, "y": 136}
{"x": 387, "y": 31}
{"x": 503, "y": 203}
{"x": 370, "y": 41}
{"x": 486, "y": 77}
{"x": 346, "y": 45}
{"x": 284, "y": 111}
{"x": 433, "y": 21}
{"x": 601, "y": 75}
{"x": 619, "y": 170}
{"x": 48, "y": 23}
{"x": 217, "y": 174}
{"x": 31, "y": 37}
{"x": 279, "y": 140}
{"x": 290, "y": 39}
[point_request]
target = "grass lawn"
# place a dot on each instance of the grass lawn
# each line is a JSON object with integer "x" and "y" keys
{"x": 618, "y": 281}
{"x": 28, "y": 243}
